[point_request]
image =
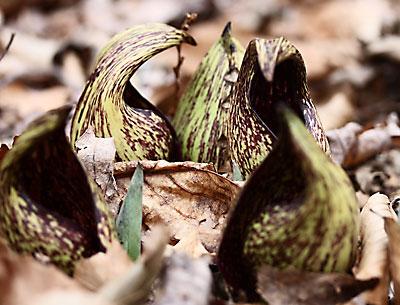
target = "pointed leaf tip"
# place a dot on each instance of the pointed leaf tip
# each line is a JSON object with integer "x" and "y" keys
{"x": 129, "y": 219}
{"x": 289, "y": 213}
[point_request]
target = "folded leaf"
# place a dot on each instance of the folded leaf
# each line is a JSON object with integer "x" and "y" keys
{"x": 129, "y": 220}
{"x": 48, "y": 207}
{"x": 113, "y": 108}
{"x": 201, "y": 117}
{"x": 272, "y": 72}
{"x": 298, "y": 209}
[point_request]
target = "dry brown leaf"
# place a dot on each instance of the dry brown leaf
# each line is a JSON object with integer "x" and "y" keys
{"x": 381, "y": 174}
{"x": 393, "y": 231}
{"x": 337, "y": 111}
{"x": 388, "y": 46}
{"x": 97, "y": 155}
{"x": 28, "y": 101}
{"x": 185, "y": 281}
{"x": 24, "y": 281}
{"x": 374, "y": 251}
{"x": 134, "y": 286}
{"x": 351, "y": 146}
{"x": 361, "y": 19}
{"x": 295, "y": 287}
{"x": 191, "y": 199}
{"x": 102, "y": 268}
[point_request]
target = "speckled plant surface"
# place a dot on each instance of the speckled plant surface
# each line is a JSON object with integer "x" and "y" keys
{"x": 202, "y": 114}
{"x": 272, "y": 72}
{"x": 48, "y": 207}
{"x": 297, "y": 210}
{"x": 113, "y": 108}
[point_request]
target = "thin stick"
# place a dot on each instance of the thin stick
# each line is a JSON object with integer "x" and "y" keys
{"x": 189, "y": 19}
{"x": 8, "y": 46}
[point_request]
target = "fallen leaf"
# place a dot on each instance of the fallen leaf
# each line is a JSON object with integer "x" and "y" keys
{"x": 351, "y": 145}
{"x": 129, "y": 219}
{"x": 28, "y": 101}
{"x": 295, "y": 287}
{"x": 392, "y": 229}
{"x": 97, "y": 155}
{"x": 184, "y": 281}
{"x": 134, "y": 286}
{"x": 362, "y": 19}
{"x": 336, "y": 112}
{"x": 102, "y": 268}
{"x": 23, "y": 281}
{"x": 374, "y": 247}
{"x": 191, "y": 199}
{"x": 387, "y": 46}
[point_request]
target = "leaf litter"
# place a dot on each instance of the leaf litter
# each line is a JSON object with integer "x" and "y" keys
{"x": 192, "y": 199}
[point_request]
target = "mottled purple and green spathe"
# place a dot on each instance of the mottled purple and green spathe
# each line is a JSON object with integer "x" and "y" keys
{"x": 48, "y": 206}
{"x": 113, "y": 108}
{"x": 297, "y": 210}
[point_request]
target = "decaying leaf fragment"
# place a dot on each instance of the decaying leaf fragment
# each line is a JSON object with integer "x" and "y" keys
{"x": 189, "y": 197}
{"x": 393, "y": 231}
{"x": 48, "y": 206}
{"x": 134, "y": 286}
{"x": 201, "y": 117}
{"x": 22, "y": 279}
{"x": 352, "y": 145}
{"x": 294, "y": 287}
{"x": 272, "y": 72}
{"x": 374, "y": 247}
{"x": 185, "y": 281}
{"x": 113, "y": 108}
{"x": 298, "y": 209}
{"x": 98, "y": 155}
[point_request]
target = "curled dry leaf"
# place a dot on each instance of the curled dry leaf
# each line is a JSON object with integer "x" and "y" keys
{"x": 393, "y": 231}
{"x": 337, "y": 111}
{"x": 294, "y": 287}
{"x": 190, "y": 198}
{"x": 201, "y": 117}
{"x": 185, "y": 281}
{"x": 272, "y": 72}
{"x": 374, "y": 247}
{"x": 298, "y": 209}
{"x": 24, "y": 281}
{"x": 134, "y": 286}
{"x": 101, "y": 268}
{"x": 351, "y": 145}
{"x": 97, "y": 155}
{"x": 49, "y": 207}
{"x": 116, "y": 109}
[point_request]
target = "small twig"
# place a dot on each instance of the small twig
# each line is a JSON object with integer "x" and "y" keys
{"x": 7, "y": 46}
{"x": 189, "y": 19}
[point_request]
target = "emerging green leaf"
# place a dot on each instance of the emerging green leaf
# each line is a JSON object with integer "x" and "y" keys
{"x": 115, "y": 109}
{"x": 272, "y": 72}
{"x": 48, "y": 206}
{"x": 129, "y": 220}
{"x": 298, "y": 209}
{"x": 201, "y": 117}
